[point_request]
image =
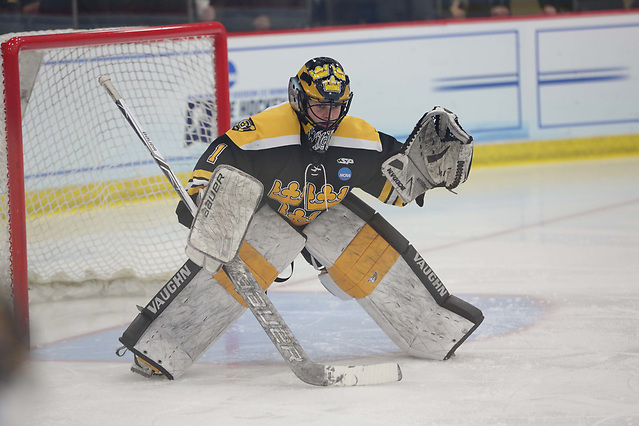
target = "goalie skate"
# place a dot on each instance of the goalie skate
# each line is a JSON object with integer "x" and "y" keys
{"x": 143, "y": 368}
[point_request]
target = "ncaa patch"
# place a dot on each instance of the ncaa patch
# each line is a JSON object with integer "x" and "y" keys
{"x": 345, "y": 173}
{"x": 245, "y": 125}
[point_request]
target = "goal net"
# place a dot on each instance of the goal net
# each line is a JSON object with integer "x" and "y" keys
{"x": 80, "y": 197}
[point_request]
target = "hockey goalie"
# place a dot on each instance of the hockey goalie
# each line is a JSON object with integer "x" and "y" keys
{"x": 308, "y": 155}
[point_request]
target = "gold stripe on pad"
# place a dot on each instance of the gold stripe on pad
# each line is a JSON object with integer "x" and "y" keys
{"x": 363, "y": 264}
{"x": 261, "y": 269}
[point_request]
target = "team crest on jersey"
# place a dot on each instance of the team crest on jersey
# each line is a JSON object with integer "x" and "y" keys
{"x": 245, "y": 125}
{"x": 314, "y": 201}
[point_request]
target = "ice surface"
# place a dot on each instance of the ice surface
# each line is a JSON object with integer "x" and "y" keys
{"x": 549, "y": 252}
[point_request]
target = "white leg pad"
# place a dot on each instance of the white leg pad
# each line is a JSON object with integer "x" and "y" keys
{"x": 197, "y": 317}
{"x": 173, "y": 331}
{"x": 370, "y": 261}
{"x": 405, "y": 310}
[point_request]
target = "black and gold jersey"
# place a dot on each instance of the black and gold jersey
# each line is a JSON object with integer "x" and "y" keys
{"x": 298, "y": 182}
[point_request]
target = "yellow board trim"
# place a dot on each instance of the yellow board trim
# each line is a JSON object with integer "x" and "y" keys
{"x": 261, "y": 269}
{"x": 99, "y": 195}
{"x": 555, "y": 150}
{"x": 363, "y": 264}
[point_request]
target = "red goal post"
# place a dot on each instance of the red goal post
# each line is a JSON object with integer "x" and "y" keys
{"x": 73, "y": 179}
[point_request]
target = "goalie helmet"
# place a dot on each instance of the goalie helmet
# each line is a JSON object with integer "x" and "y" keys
{"x": 320, "y": 94}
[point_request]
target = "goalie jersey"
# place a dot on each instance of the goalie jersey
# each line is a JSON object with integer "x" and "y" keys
{"x": 299, "y": 183}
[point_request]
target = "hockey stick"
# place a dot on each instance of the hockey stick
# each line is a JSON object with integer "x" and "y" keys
{"x": 256, "y": 299}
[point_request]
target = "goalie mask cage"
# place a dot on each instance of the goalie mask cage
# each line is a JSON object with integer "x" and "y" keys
{"x": 81, "y": 199}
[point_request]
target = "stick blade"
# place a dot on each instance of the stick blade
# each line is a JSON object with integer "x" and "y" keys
{"x": 362, "y": 375}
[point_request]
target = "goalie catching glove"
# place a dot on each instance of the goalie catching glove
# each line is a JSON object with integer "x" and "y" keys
{"x": 438, "y": 153}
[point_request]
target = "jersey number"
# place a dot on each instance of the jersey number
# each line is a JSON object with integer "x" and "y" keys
{"x": 213, "y": 157}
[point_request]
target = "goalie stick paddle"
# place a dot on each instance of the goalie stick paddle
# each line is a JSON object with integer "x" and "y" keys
{"x": 256, "y": 299}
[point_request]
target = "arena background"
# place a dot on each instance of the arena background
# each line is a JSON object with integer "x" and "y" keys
{"x": 527, "y": 89}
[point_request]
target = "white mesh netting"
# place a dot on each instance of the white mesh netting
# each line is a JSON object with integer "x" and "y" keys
{"x": 97, "y": 206}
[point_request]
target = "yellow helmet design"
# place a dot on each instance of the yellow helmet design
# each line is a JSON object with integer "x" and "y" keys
{"x": 320, "y": 94}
